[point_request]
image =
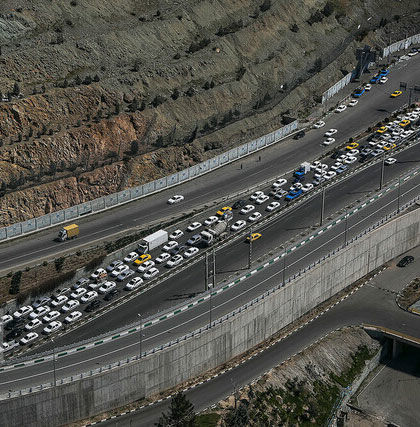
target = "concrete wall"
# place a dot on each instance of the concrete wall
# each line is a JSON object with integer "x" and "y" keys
{"x": 180, "y": 362}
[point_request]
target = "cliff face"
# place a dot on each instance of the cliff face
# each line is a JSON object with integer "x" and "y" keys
{"x": 110, "y": 94}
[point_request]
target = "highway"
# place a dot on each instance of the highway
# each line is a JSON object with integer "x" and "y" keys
{"x": 221, "y": 304}
{"x": 374, "y": 303}
{"x": 275, "y": 161}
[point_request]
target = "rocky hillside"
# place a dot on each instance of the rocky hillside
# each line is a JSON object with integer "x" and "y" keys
{"x": 97, "y": 96}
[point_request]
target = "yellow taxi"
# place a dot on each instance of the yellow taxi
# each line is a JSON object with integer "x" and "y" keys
{"x": 142, "y": 258}
{"x": 396, "y": 93}
{"x": 352, "y": 146}
{"x": 389, "y": 146}
{"x": 222, "y": 211}
{"x": 254, "y": 236}
{"x": 382, "y": 129}
{"x": 404, "y": 123}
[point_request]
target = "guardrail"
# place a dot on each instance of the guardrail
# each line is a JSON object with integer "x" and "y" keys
{"x": 108, "y": 367}
{"x": 108, "y": 202}
{"x": 267, "y": 219}
{"x": 152, "y": 320}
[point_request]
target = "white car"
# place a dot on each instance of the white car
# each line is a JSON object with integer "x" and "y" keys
{"x": 132, "y": 256}
{"x": 134, "y": 283}
{"x": 315, "y": 164}
{"x": 112, "y": 266}
{"x": 319, "y": 124}
{"x": 254, "y": 217}
{"x": 238, "y": 225}
{"x": 330, "y": 175}
{"x": 390, "y": 161}
{"x": 368, "y": 86}
{"x": 191, "y": 252}
{"x": 211, "y": 220}
{"x": 261, "y": 199}
{"x": 342, "y": 158}
{"x": 125, "y": 275}
{"x": 151, "y": 273}
{"x": 7, "y": 346}
{"x": 120, "y": 269}
{"x": 146, "y": 266}
{"x": 321, "y": 167}
{"x": 40, "y": 311}
{"x": 296, "y": 186}
{"x": 72, "y": 317}
{"x": 320, "y": 175}
{"x": 163, "y": 257}
{"x": 272, "y": 206}
{"x": 176, "y": 199}
{"x": 51, "y": 316}
{"x": 97, "y": 273}
{"x": 78, "y": 293}
{"x": 354, "y": 152}
{"x": 330, "y": 132}
{"x": 247, "y": 209}
{"x": 33, "y": 324}
{"x": 170, "y": 245}
{"x": 257, "y": 195}
{"x": 174, "y": 261}
{"x": 106, "y": 287}
{"x": 32, "y": 336}
{"x": 176, "y": 234}
{"x": 88, "y": 296}
{"x": 377, "y": 152}
{"x": 52, "y": 327}
{"x": 23, "y": 311}
{"x": 383, "y": 80}
{"x": 62, "y": 299}
{"x": 194, "y": 226}
{"x": 353, "y": 103}
{"x": 329, "y": 141}
{"x": 70, "y": 305}
{"x": 341, "y": 108}
{"x": 279, "y": 183}
{"x": 406, "y": 133}
{"x": 410, "y": 54}
{"x": 6, "y": 319}
{"x": 336, "y": 166}
{"x": 350, "y": 160}
{"x": 307, "y": 187}
{"x": 280, "y": 194}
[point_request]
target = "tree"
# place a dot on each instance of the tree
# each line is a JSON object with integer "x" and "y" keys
{"x": 181, "y": 413}
{"x": 78, "y": 81}
{"x": 96, "y": 78}
{"x": 238, "y": 417}
{"x": 134, "y": 148}
{"x": 16, "y": 89}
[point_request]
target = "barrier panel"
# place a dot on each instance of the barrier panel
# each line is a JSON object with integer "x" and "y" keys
{"x": 105, "y": 202}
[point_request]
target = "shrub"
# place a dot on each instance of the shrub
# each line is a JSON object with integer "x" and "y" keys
{"x": 198, "y": 45}
{"x": 294, "y": 28}
{"x": 15, "y": 283}
{"x": 265, "y": 6}
{"x": 59, "y": 262}
{"x": 94, "y": 263}
{"x": 175, "y": 94}
{"x": 134, "y": 147}
{"x": 328, "y": 8}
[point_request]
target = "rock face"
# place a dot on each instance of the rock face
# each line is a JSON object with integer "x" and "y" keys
{"x": 106, "y": 94}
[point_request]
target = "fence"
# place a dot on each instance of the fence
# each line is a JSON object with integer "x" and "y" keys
{"x": 335, "y": 88}
{"x": 400, "y": 45}
{"x": 130, "y": 194}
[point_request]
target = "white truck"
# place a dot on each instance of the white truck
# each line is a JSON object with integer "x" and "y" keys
{"x": 152, "y": 241}
{"x": 217, "y": 232}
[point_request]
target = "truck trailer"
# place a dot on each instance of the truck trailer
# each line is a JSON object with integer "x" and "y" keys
{"x": 68, "y": 232}
{"x": 152, "y": 241}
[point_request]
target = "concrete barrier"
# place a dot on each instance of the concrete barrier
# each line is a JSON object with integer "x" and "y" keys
{"x": 209, "y": 348}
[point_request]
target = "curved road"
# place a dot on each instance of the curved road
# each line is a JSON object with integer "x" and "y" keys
{"x": 276, "y": 160}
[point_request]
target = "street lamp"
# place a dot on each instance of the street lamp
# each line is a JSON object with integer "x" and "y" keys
{"x": 54, "y": 368}
{"x": 345, "y": 228}
{"x": 141, "y": 335}
{"x": 250, "y": 248}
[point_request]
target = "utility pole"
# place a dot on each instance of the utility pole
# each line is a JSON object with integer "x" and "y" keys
{"x": 250, "y": 249}
{"x": 382, "y": 172}
{"x": 206, "y": 273}
{"x": 210, "y": 306}
{"x": 322, "y": 206}
{"x": 141, "y": 335}
{"x": 214, "y": 268}
{"x": 54, "y": 367}
{"x": 399, "y": 194}
{"x": 284, "y": 265}
{"x": 345, "y": 229}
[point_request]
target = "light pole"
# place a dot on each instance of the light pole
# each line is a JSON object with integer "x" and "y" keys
{"x": 210, "y": 305}
{"x": 345, "y": 229}
{"x": 141, "y": 335}
{"x": 284, "y": 264}
{"x": 206, "y": 272}
{"x": 399, "y": 194}
{"x": 382, "y": 172}
{"x": 322, "y": 206}
{"x": 54, "y": 368}
{"x": 250, "y": 248}
{"x": 214, "y": 268}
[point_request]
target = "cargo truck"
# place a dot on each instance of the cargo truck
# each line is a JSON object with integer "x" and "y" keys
{"x": 152, "y": 241}
{"x": 212, "y": 234}
{"x": 68, "y": 232}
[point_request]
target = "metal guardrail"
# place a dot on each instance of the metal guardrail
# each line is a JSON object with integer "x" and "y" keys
{"x": 108, "y": 367}
{"x": 108, "y": 202}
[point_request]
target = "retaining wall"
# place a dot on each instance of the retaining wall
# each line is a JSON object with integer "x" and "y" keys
{"x": 225, "y": 340}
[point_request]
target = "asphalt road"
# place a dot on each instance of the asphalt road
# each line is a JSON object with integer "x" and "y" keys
{"x": 233, "y": 258}
{"x": 194, "y": 318}
{"x": 374, "y": 303}
{"x": 275, "y": 161}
